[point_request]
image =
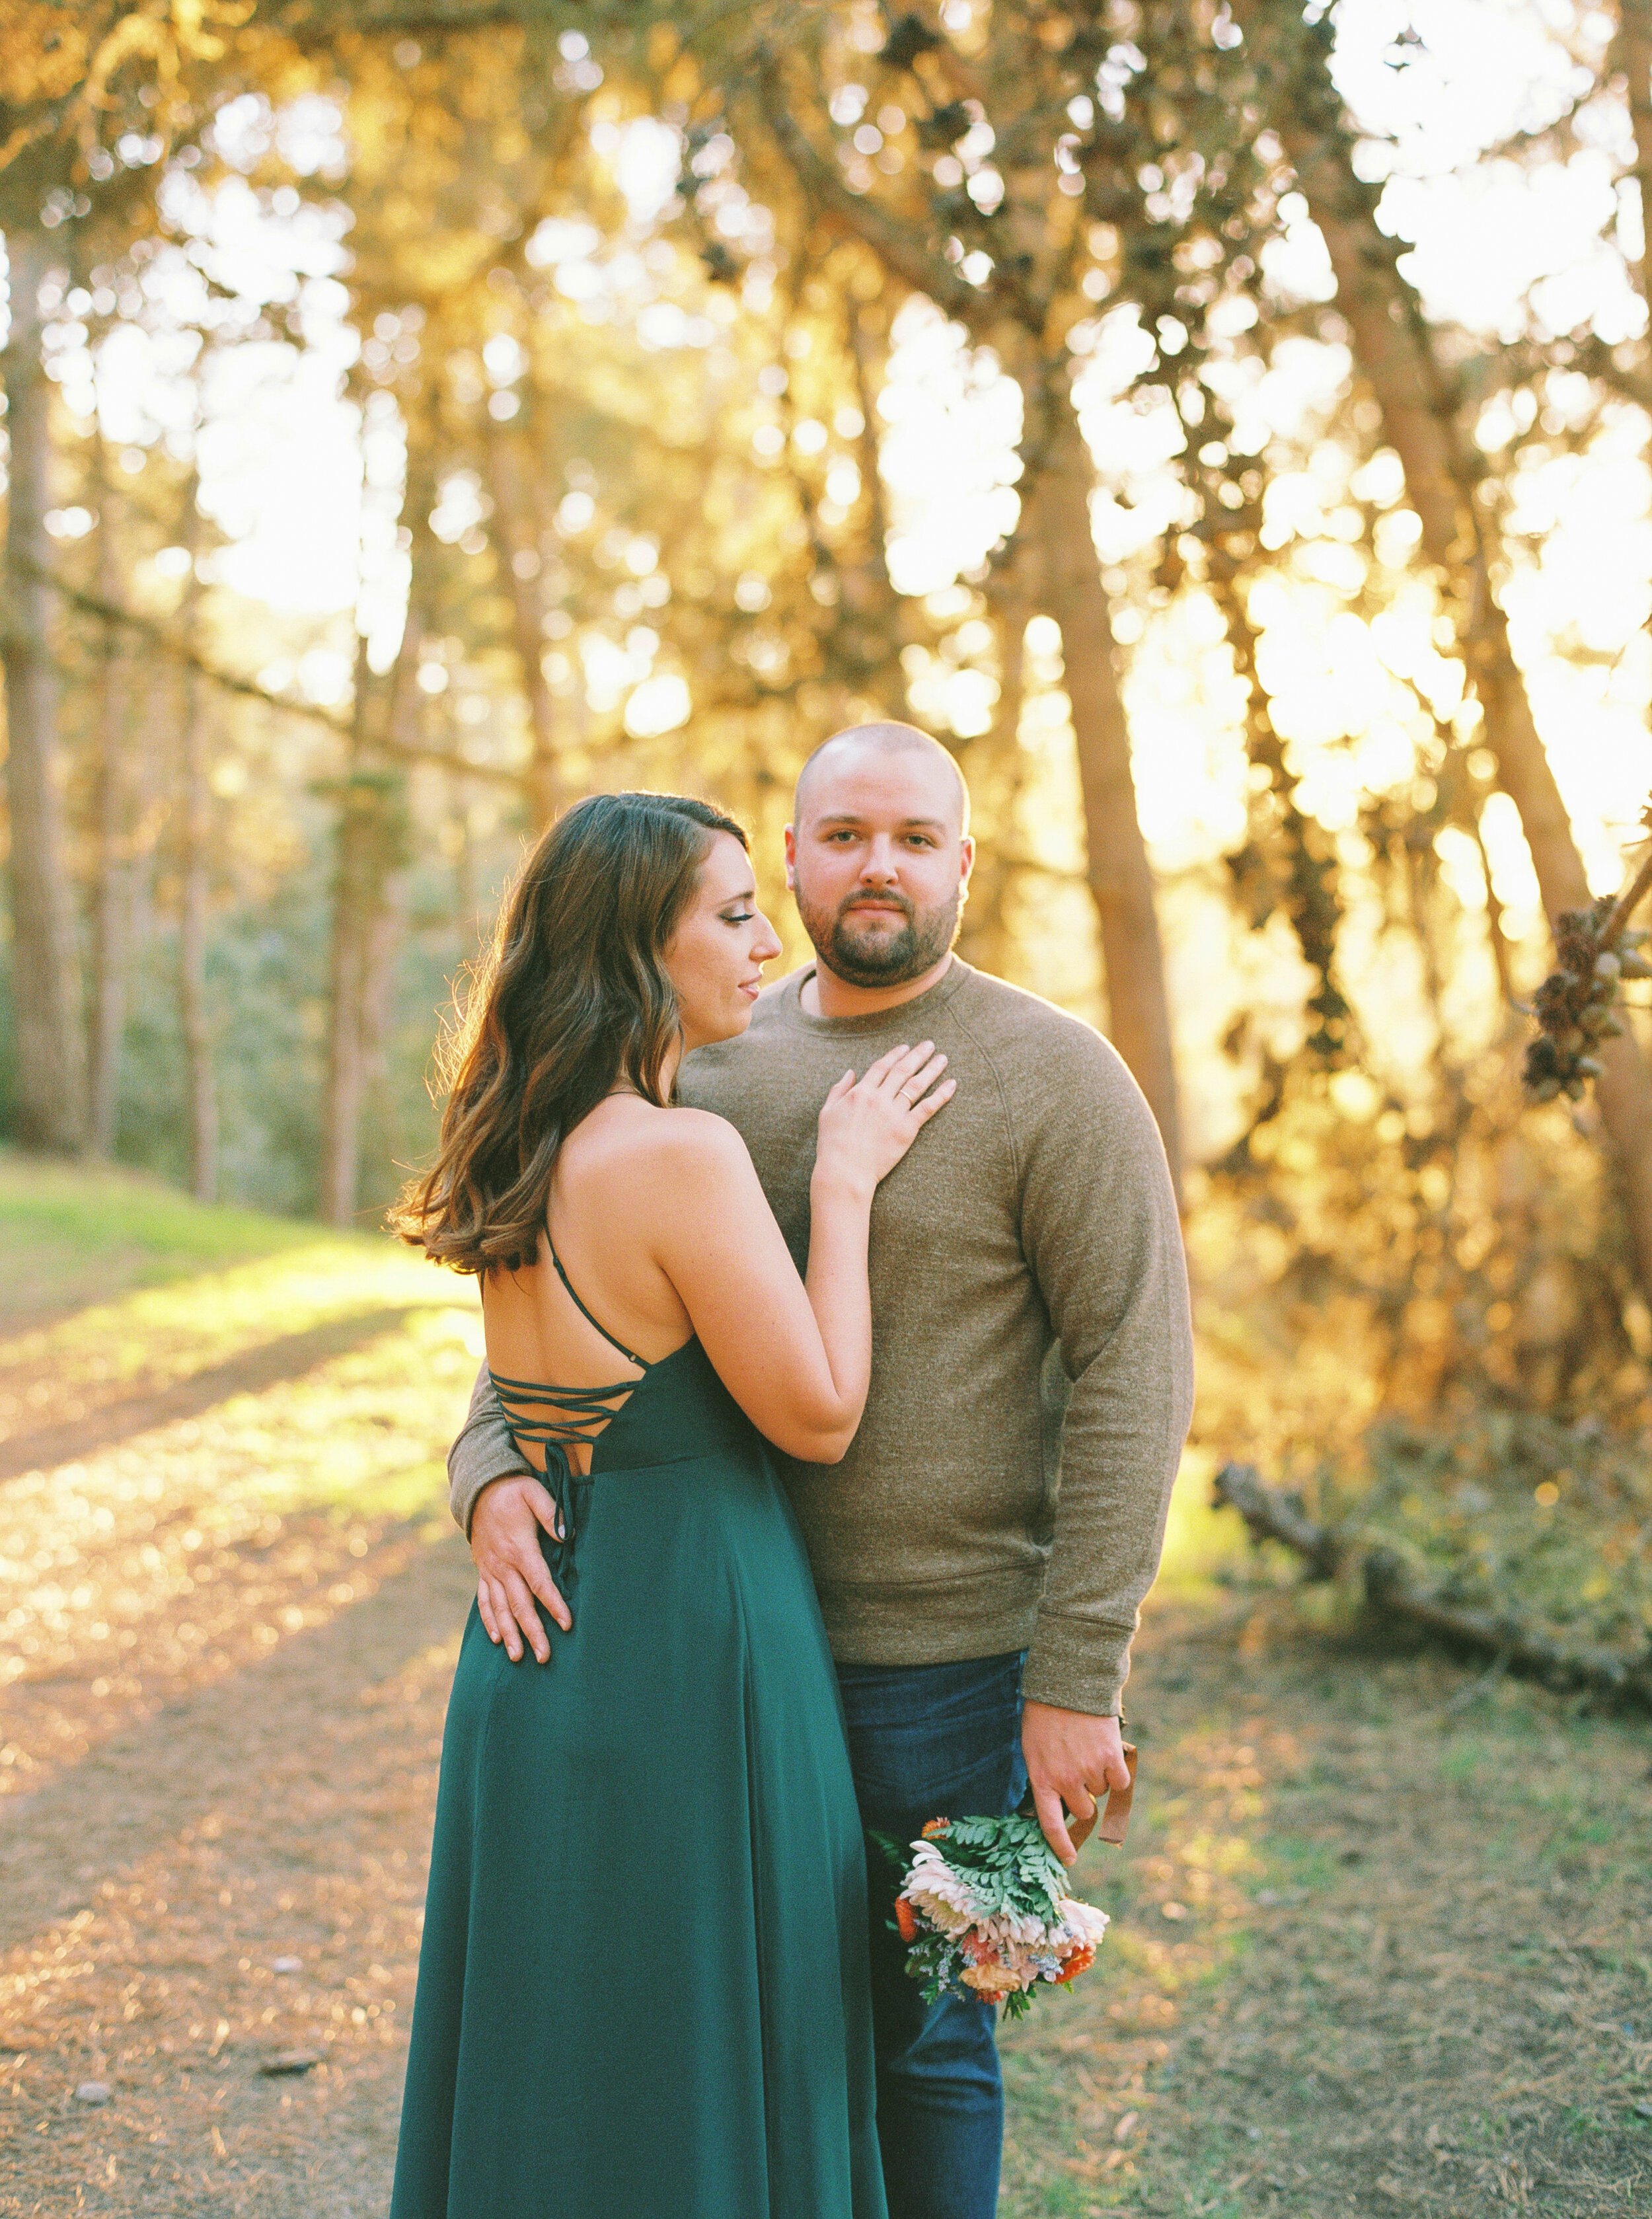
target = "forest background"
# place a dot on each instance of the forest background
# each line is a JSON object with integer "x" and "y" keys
{"x": 1224, "y": 424}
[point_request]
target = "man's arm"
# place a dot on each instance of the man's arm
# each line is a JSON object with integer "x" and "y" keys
{"x": 501, "y": 1505}
{"x": 483, "y": 1450}
{"x": 1100, "y": 1233}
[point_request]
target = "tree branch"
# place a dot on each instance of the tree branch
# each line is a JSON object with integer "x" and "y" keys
{"x": 166, "y": 643}
{"x": 1394, "y": 1591}
{"x": 900, "y": 251}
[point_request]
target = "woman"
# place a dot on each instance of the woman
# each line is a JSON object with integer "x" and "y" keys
{"x": 643, "y": 1989}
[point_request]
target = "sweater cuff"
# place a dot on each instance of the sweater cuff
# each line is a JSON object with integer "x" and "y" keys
{"x": 1074, "y": 1664}
{"x": 482, "y": 1454}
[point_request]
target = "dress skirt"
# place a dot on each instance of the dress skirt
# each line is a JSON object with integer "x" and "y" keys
{"x": 643, "y": 1987}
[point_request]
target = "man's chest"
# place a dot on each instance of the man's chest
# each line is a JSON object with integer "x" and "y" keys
{"x": 956, "y": 1182}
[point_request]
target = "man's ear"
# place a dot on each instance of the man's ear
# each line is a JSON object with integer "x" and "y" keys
{"x": 792, "y": 857}
{"x": 966, "y": 863}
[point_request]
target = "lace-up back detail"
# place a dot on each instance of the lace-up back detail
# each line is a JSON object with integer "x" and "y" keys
{"x": 572, "y": 1416}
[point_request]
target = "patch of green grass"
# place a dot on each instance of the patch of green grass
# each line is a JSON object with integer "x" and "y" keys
{"x": 1460, "y": 1762}
{"x": 75, "y": 1233}
{"x": 1297, "y": 1861}
{"x": 1577, "y": 2122}
{"x": 94, "y": 1207}
{"x": 1594, "y": 1831}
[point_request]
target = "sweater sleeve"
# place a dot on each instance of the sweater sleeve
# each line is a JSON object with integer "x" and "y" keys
{"x": 1100, "y": 1231}
{"x": 483, "y": 1450}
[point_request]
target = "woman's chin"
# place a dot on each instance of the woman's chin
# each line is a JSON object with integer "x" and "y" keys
{"x": 729, "y": 1026}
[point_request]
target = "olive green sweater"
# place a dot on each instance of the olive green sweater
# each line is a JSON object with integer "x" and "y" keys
{"x": 1031, "y": 1369}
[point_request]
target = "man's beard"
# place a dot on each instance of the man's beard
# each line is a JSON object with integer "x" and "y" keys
{"x": 863, "y": 957}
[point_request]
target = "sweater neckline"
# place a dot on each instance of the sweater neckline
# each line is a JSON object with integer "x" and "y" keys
{"x": 899, "y": 1020}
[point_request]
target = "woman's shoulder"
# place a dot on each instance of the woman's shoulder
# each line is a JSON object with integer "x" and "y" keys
{"x": 701, "y": 1137}
{"x": 675, "y": 1142}
{"x": 681, "y": 1172}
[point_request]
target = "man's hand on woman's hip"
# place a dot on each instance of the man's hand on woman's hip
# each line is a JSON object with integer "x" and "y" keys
{"x": 1073, "y": 1759}
{"x": 510, "y": 1568}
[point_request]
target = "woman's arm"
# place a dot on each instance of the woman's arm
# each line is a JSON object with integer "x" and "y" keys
{"x": 795, "y": 1354}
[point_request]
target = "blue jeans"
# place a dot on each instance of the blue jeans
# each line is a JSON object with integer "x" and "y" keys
{"x": 929, "y": 1741}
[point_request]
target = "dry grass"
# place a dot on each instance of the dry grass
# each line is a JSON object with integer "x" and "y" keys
{"x": 1381, "y": 1947}
{"x": 1379, "y": 1942}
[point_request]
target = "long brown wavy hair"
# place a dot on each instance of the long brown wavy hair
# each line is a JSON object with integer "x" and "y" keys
{"x": 571, "y": 996}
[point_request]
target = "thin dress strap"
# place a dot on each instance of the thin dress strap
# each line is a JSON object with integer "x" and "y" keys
{"x": 630, "y": 1355}
{"x": 580, "y": 1413}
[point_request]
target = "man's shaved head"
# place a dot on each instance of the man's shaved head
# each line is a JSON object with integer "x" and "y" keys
{"x": 878, "y": 853}
{"x": 940, "y": 777}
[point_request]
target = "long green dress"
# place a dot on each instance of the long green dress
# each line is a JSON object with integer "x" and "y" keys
{"x": 643, "y": 1988}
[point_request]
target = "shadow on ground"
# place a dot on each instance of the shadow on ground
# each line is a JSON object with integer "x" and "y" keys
{"x": 255, "y": 1371}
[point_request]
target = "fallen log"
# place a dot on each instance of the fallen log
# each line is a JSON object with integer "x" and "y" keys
{"x": 1394, "y": 1591}
{"x": 1273, "y": 1515}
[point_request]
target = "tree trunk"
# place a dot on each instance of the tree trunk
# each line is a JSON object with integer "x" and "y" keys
{"x": 341, "y": 1121}
{"x": 194, "y": 854}
{"x": 367, "y": 907}
{"x": 351, "y": 898}
{"x": 149, "y": 768}
{"x": 986, "y": 938}
{"x": 1393, "y": 351}
{"x": 366, "y": 936}
{"x": 1635, "y": 47}
{"x": 518, "y": 560}
{"x": 1121, "y": 877}
{"x": 864, "y": 642}
{"x": 201, "y": 1086}
{"x": 44, "y": 989}
{"x": 111, "y": 934}
{"x": 366, "y": 928}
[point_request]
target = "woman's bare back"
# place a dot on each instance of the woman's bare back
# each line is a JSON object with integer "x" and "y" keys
{"x": 594, "y": 1307}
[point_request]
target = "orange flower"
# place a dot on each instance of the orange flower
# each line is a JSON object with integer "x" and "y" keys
{"x": 934, "y": 1826}
{"x": 1080, "y": 1961}
{"x": 906, "y": 1919}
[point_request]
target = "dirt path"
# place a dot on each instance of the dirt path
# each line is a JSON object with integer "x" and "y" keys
{"x": 238, "y": 1876}
{"x": 1380, "y": 1932}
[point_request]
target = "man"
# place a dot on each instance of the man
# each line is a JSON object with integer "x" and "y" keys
{"x": 1029, "y": 1307}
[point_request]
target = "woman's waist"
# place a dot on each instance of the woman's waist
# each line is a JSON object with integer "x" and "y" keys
{"x": 641, "y": 1440}
{"x": 709, "y": 1430}
{"x": 626, "y": 1459}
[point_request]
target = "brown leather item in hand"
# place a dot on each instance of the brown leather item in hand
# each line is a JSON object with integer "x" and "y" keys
{"x": 1113, "y": 1814}
{"x": 1116, "y": 1817}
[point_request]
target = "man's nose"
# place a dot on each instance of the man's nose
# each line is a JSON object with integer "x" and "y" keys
{"x": 882, "y": 865}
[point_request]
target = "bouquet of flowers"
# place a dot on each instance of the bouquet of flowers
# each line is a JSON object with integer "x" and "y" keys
{"x": 983, "y": 1910}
